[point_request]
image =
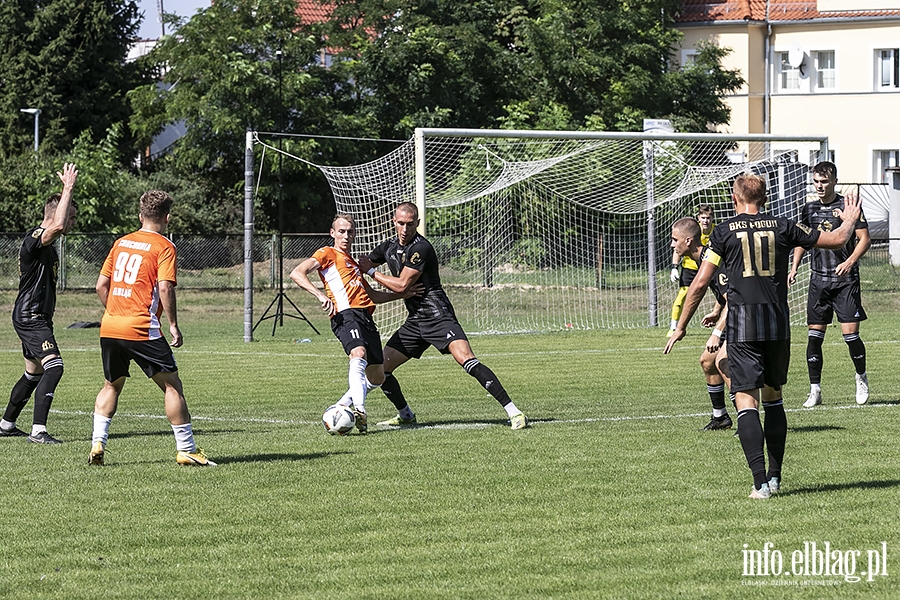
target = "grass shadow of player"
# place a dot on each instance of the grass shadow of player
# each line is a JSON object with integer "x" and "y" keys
{"x": 877, "y": 484}
{"x": 815, "y": 428}
{"x": 271, "y": 457}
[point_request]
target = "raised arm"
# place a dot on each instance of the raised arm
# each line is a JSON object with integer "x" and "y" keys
{"x": 849, "y": 216}
{"x": 61, "y": 216}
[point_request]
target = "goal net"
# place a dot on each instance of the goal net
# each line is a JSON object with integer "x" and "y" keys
{"x": 548, "y": 231}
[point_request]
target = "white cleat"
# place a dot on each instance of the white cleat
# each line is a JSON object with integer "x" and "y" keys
{"x": 862, "y": 388}
{"x": 815, "y": 398}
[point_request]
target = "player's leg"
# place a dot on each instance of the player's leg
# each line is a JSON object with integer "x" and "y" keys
{"x": 848, "y": 306}
{"x": 819, "y": 313}
{"x": 715, "y": 387}
{"x": 115, "y": 358}
{"x": 104, "y": 408}
{"x": 43, "y": 398}
{"x": 745, "y": 361}
{"x": 406, "y": 343}
{"x": 776, "y": 435}
{"x": 156, "y": 360}
{"x": 462, "y": 352}
{"x": 777, "y": 358}
{"x": 19, "y": 396}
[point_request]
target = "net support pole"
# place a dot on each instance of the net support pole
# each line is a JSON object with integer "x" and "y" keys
{"x": 248, "y": 237}
{"x": 652, "y": 309}
{"x": 420, "y": 177}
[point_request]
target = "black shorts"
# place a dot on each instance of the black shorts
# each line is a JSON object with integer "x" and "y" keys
{"x": 416, "y": 335}
{"x": 755, "y": 364}
{"x": 686, "y": 277}
{"x": 152, "y": 356}
{"x": 827, "y": 298}
{"x": 354, "y": 327}
{"x": 37, "y": 338}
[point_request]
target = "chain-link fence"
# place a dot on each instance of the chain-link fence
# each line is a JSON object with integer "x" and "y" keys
{"x": 204, "y": 262}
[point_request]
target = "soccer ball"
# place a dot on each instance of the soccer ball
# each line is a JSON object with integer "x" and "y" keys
{"x": 338, "y": 420}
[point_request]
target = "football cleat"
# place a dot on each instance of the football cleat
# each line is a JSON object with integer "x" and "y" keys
{"x": 96, "y": 455}
{"x": 774, "y": 485}
{"x": 195, "y": 458}
{"x": 362, "y": 421}
{"x": 43, "y": 438}
{"x": 518, "y": 422}
{"x": 14, "y": 432}
{"x": 763, "y": 493}
{"x": 862, "y": 388}
{"x": 717, "y": 423}
{"x": 814, "y": 399}
{"x": 398, "y": 421}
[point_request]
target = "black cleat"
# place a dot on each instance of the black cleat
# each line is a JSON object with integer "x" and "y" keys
{"x": 43, "y": 438}
{"x": 717, "y": 423}
{"x": 14, "y": 432}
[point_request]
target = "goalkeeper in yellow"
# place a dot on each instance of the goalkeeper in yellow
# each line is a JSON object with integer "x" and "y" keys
{"x": 689, "y": 267}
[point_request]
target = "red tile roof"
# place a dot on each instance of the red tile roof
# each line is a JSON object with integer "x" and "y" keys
{"x": 313, "y": 11}
{"x": 695, "y": 11}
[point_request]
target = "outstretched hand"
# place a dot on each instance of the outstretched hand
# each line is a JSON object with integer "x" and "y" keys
{"x": 676, "y": 335}
{"x": 68, "y": 175}
{"x": 852, "y": 207}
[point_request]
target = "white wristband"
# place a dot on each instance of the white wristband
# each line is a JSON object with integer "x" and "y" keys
{"x": 371, "y": 272}
{"x": 717, "y": 333}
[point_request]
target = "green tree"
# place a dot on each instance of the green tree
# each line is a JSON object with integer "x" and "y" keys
{"x": 250, "y": 64}
{"x": 67, "y": 58}
{"x": 562, "y": 64}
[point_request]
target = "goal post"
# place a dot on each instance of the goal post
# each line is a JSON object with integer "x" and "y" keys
{"x": 562, "y": 230}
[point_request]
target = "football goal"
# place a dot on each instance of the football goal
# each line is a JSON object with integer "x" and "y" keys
{"x": 557, "y": 230}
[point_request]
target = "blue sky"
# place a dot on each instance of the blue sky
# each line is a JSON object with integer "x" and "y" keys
{"x": 151, "y": 28}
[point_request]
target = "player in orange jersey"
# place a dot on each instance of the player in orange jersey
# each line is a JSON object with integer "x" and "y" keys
{"x": 136, "y": 285}
{"x": 350, "y": 301}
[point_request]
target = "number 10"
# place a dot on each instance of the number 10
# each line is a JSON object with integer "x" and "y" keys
{"x": 764, "y": 268}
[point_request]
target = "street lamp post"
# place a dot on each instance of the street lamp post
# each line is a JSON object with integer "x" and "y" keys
{"x": 37, "y": 114}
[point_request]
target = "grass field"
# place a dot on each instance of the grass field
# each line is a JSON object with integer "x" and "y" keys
{"x": 612, "y": 493}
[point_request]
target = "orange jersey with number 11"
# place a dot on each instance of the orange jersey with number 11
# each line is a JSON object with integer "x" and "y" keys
{"x": 135, "y": 265}
{"x": 342, "y": 279}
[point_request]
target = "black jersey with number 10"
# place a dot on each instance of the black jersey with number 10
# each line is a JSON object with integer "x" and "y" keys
{"x": 754, "y": 250}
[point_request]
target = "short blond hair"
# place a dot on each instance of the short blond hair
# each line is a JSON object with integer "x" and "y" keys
{"x": 750, "y": 189}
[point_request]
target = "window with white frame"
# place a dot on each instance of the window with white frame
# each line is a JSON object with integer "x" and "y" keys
{"x": 885, "y": 159}
{"x": 689, "y": 58}
{"x": 789, "y": 77}
{"x": 825, "y": 69}
{"x": 887, "y": 75}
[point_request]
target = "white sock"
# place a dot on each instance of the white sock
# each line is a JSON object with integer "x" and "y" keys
{"x": 357, "y": 379}
{"x": 36, "y": 429}
{"x": 184, "y": 438}
{"x": 7, "y": 425}
{"x": 406, "y": 412}
{"x": 815, "y": 388}
{"x": 346, "y": 399}
{"x": 719, "y": 412}
{"x": 101, "y": 429}
{"x": 511, "y": 410}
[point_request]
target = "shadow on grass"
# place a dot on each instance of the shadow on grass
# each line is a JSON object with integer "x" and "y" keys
{"x": 815, "y": 428}
{"x": 833, "y": 487}
{"x": 278, "y": 457}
